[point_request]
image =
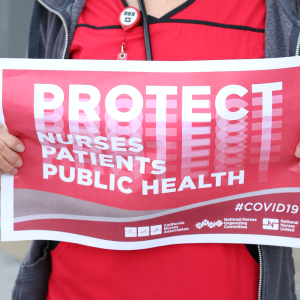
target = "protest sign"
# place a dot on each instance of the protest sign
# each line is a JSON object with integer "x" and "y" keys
{"x": 132, "y": 155}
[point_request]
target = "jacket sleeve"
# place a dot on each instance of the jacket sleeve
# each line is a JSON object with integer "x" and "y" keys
{"x": 47, "y": 39}
{"x": 34, "y": 272}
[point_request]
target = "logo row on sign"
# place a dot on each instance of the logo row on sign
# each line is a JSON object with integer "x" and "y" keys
{"x": 143, "y": 231}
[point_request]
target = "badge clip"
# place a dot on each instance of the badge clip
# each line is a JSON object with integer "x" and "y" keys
{"x": 130, "y": 18}
{"x": 122, "y": 55}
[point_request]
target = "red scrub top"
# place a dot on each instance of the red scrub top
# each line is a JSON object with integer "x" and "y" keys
{"x": 196, "y": 30}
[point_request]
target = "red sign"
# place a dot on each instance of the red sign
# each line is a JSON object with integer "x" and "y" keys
{"x": 158, "y": 157}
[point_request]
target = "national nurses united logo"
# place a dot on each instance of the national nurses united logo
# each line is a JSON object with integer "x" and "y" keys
{"x": 270, "y": 224}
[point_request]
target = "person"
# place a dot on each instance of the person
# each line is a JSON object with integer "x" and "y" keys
{"x": 180, "y": 30}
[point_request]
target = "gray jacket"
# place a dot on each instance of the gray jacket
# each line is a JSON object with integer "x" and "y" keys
{"x": 52, "y": 28}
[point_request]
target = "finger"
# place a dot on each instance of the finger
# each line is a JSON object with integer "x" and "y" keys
{"x": 10, "y": 156}
{"x": 297, "y": 152}
{"x": 7, "y": 167}
{"x": 11, "y": 141}
{"x": 1, "y": 173}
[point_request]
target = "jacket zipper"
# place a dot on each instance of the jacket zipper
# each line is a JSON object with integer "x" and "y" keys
{"x": 64, "y": 23}
{"x": 260, "y": 272}
{"x": 298, "y": 46}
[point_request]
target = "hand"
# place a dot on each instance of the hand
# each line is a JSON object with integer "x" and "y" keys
{"x": 10, "y": 145}
{"x": 297, "y": 152}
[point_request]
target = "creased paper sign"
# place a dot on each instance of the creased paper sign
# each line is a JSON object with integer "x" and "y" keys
{"x": 131, "y": 155}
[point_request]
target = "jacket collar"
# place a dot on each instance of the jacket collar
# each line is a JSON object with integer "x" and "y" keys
{"x": 291, "y": 10}
{"x": 66, "y": 8}
{"x": 57, "y": 5}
